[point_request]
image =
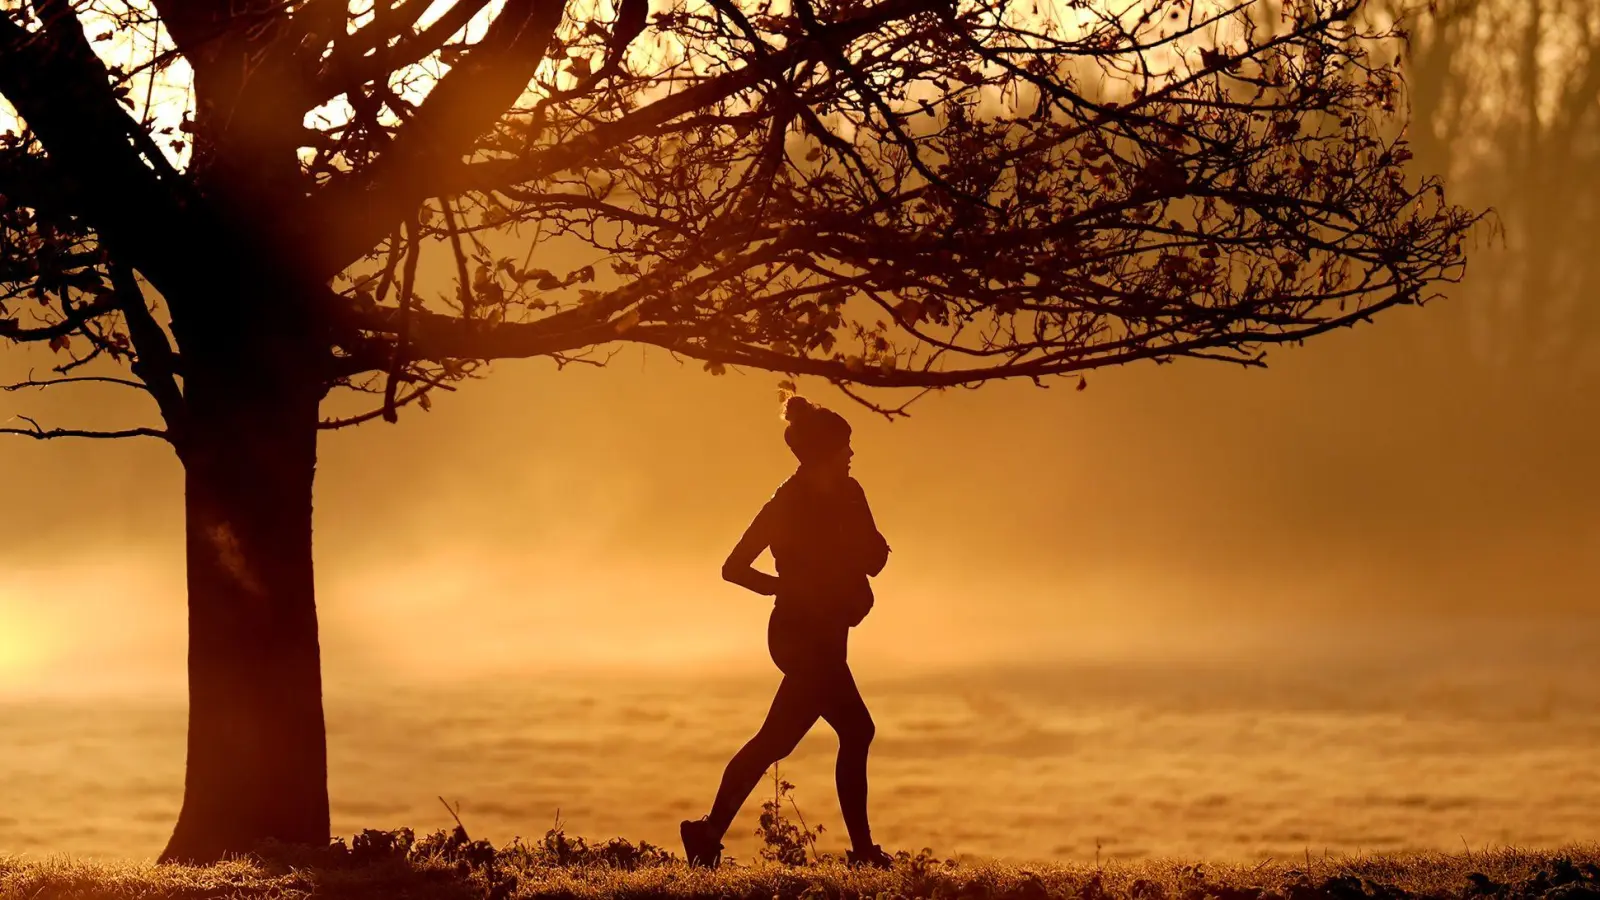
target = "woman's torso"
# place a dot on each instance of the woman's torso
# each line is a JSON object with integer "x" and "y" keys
{"x": 819, "y": 575}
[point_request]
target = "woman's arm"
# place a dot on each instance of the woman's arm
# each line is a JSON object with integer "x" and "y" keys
{"x": 757, "y": 537}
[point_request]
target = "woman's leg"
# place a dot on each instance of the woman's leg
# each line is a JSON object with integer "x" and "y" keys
{"x": 846, "y": 711}
{"x": 794, "y": 710}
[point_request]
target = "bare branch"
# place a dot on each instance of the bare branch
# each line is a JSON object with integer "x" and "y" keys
{"x": 156, "y": 364}
{"x": 365, "y": 57}
{"x": 71, "y": 323}
{"x": 429, "y": 164}
{"x": 461, "y": 106}
{"x": 402, "y": 337}
{"x": 31, "y": 382}
{"x": 62, "y": 90}
{"x": 37, "y": 432}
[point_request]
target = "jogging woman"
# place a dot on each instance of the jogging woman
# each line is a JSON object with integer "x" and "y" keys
{"x": 825, "y": 545}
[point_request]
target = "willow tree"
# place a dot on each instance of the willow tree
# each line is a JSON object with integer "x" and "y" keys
{"x": 231, "y": 198}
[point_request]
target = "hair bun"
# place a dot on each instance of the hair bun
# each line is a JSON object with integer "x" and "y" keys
{"x": 814, "y": 432}
{"x": 796, "y": 407}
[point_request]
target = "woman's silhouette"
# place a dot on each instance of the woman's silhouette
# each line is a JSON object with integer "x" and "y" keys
{"x": 825, "y": 545}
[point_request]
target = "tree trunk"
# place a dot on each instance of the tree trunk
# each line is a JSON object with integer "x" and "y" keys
{"x": 257, "y": 755}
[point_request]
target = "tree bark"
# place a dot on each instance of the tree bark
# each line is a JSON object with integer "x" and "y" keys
{"x": 257, "y": 757}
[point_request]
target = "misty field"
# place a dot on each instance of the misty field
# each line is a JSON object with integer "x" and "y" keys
{"x": 1237, "y": 763}
{"x": 441, "y": 868}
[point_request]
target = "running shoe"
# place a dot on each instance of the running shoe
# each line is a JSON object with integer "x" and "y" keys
{"x": 699, "y": 847}
{"x": 872, "y": 856}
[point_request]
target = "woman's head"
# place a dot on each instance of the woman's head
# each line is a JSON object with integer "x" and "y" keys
{"x": 819, "y": 437}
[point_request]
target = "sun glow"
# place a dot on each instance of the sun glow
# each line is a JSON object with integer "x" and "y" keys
{"x": 22, "y": 647}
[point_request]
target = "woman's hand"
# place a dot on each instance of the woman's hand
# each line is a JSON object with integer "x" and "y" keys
{"x": 750, "y": 578}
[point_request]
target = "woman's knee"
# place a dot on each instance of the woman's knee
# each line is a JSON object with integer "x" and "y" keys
{"x": 858, "y": 733}
{"x": 769, "y": 747}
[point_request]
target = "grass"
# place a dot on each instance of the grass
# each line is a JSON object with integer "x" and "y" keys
{"x": 450, "y": 866}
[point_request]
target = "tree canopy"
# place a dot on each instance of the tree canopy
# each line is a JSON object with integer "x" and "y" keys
{"x": 905, "y": 193}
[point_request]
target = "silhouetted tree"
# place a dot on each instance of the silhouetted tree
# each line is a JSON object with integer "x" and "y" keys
{"x": 1506, "y": 96}
{"x": 231, "y": 197}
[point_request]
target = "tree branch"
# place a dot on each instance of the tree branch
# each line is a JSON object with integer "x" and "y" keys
{"x": 359, "y": 212}
{"x": 31, "y": 382}
{"x": 462, "y": 105}
{"x": 62, "y": 90}
{"x": 74, "y": 320}
{"x": 70, "y": 43}
{"x": 194, "y": 24}
{"x": 29, "y": 180}
{"x": 402, "y": 337}
{"x": 349, "y": 67}
{"x": 40, "y": 433}
{"x": 155, "y": 362}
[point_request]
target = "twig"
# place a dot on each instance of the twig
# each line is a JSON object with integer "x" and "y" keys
{"x": 454, "y": 814}
{"x": 408, "y": 282}
{"x": 805, "y": 830}
{"x": 467, "y": 301}
{"x": 382, "y": 411}
{"x": 32, "y": 382}
{"x": 890, "y": 413}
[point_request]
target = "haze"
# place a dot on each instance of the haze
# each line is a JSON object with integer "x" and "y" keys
{"x": 1428, "y": 472}
{"x": 1386, "y": 476}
